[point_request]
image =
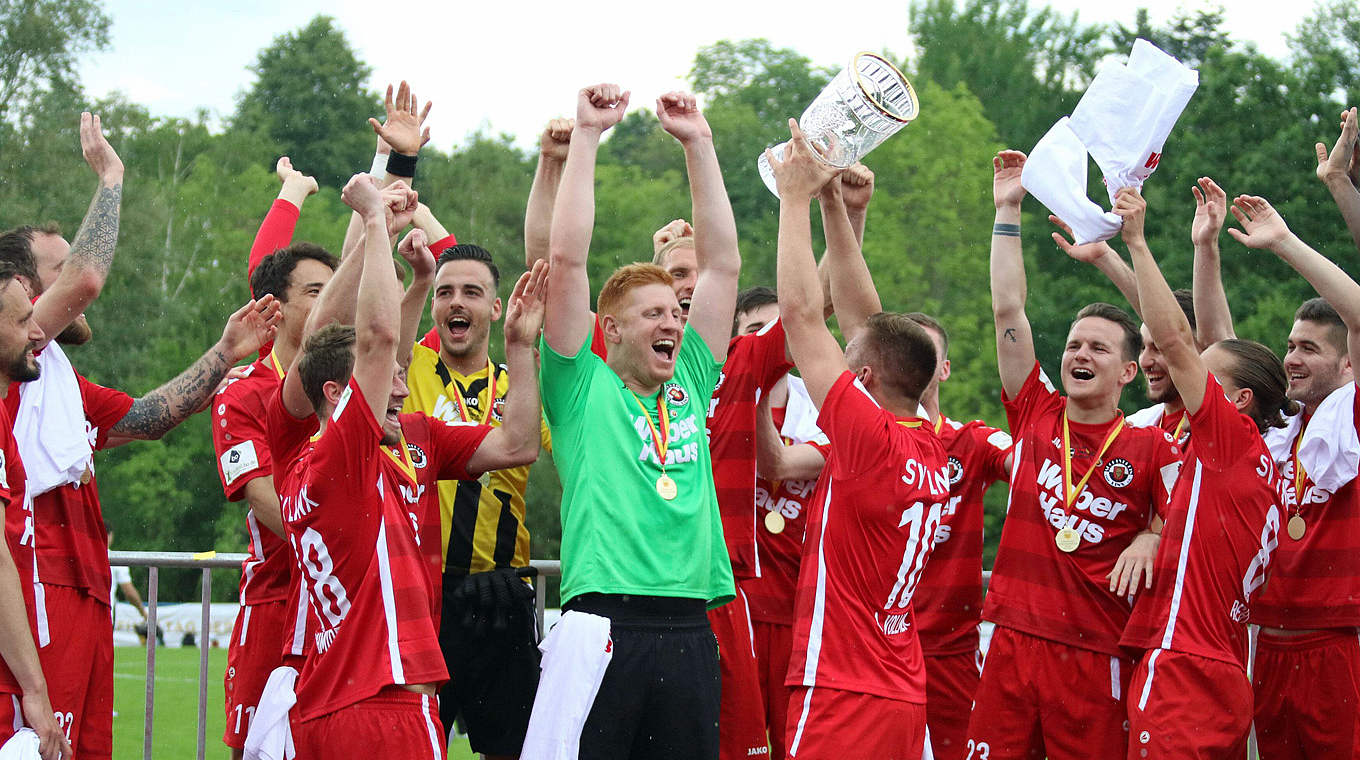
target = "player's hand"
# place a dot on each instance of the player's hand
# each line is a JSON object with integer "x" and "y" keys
{"x": 415, "y": 251}
{"x": 680, "y": 116}
{"x": 403, "y": 128}
{"x": 1130, "y": 207}
{"x": 600, "y": 106}
{"x": 252, "y": 326}
{"x": 38, "y": 714}
{"x": 1262, "y": 225}
{"x": 290, "y": 176}
{"x": 674, "y": 230}
{"x": 1211, "y": 208}
{"x": 1134, "y": 565}
{"x": 1343, "y": 163}
{"x": 857, "y": 187}
{"x": 801, "y": 174}
{"x": 361, "y": 194}
{"x": 555, "y": 140}
{"x": 1006, "y": 188}
{"x": 101, "y": 156}
{"x": 400, "y": 204}
{"x": 1088, "y": 253}
{"x": 524, "y": 316}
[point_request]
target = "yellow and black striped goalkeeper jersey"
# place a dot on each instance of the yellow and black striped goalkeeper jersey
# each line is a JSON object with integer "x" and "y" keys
{"x": 482, "y": 521}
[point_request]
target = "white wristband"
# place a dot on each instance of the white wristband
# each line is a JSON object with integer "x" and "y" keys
{"x": 379, "y": 168}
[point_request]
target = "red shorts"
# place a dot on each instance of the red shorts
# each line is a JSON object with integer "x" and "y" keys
{"x": 402, "y": 724}
{"x": 774, "y": 644}
{"x": 256, "y": 649}
{"x": 830, "y": 724}
{"x": 1182, "y": 705}
{"x": 1039, "y": 698}
{"x": 1307, "y": 692}
{"x": 951, "y": 681}
{"x": 78, "y": 667}
{"x": 741, "y": 718}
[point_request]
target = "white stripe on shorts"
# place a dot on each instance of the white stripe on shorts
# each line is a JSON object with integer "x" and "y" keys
{"x": 429, "y": 726}
{"x": 1147, "y": 685}
{"x": 245, "y": 623}
{"x": 802, "y": 721}
{"x": 1114, "y": 678}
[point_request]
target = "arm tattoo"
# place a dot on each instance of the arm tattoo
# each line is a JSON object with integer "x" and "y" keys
{"x": 98, "y": 234}
{"x": 1010, "y": 334}
{"x": 156, "y": 413}
{"x": 1006, "y": 230}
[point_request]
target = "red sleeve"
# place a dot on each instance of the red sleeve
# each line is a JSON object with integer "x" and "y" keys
{"x": 1036, "y": 397}
{"x": 104, "y": 408}
{"x": 992, "y": 446}
{"x": 856, "y": 426}
{"x": 431, "y": 340}
{"x": 1219, "y": 434}
{"x": 443, "y": 244}
{"x": 285, "y": 435}
{"x": 597, "y": 344}
{"x": 453, "y": 446}
{"x": 276, "y": 231}
{"x": 765, "y": 352}
{"x": 11, "y": 469}
{"x": 239, "y": 439}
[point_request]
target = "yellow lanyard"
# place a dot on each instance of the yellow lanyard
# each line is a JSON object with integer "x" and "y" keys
{"x": 660, "y": 438}
{"x": 490, "y": 398}
{"x": 1070, "y": 492}
{"x": 274, "y": 360}
{"x": 1300, "y": 477}
{"x": 1176, "y": 436}
{"x": 403, "y": 460}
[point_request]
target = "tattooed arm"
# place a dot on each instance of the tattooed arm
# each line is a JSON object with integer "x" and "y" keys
{"x": 84, "y": 270}
{"x": 154, "y": 414}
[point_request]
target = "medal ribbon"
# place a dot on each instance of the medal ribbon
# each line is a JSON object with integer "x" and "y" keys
{"x": 939, "y": 424}
{"x": 490, "y": 398}
{"x": 1068, "y": 491}
{"x": 1300, "y": 477}
{"x": 403, "y": 460}
{"x": 274, "y": 360}
{"x": 1180, "y": 426}
{"x": 660, "y": 438}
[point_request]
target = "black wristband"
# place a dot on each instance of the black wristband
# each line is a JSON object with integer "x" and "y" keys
{"x": 401, "y": 165}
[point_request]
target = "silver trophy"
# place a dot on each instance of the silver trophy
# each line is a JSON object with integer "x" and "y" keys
{"x": 865, "y": 104}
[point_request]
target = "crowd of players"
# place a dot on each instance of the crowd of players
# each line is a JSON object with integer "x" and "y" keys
{"x": 756, "y": 563}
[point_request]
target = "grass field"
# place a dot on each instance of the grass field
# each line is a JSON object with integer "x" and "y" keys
{"x": 176, "y": 736}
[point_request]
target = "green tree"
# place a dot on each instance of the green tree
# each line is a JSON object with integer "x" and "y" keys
{"x": 40, "y": 44}
{"x": 309, "y": 102}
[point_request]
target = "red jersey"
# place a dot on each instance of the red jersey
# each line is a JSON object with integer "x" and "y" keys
{"x": 18, "y": 525}
{"x": 352, "y": 525}
{"x": 1221, "y": 528}
{"x": 242, "y": 447}
{"x": 754, "y": 363}
{"x": 875, "y": 511}
{"x": 1315, "y": 581}
{"x": 71, "y": 545}
{"x": 948, "y": 602}
{"x": 288, "y": 438}
{"x": 770, "y": 597}
{"x": 1038, "y": 589}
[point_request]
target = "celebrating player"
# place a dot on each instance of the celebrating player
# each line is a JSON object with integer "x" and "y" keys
{"x": 1190, "y": 694}
{"x": 1083, "y": 491}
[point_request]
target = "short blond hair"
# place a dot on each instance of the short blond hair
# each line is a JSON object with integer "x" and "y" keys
{"x": 680, "y": 242}
{"x": 625, "y": 279}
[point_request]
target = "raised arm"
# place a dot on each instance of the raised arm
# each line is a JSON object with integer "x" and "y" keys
{"x": 1101, "y": 256}
{"x": 516, "y": 441}
{"x": 1014, "y": 339}
{"x": 159, "y": 411}
{"x": 377, "y": 315}
{"x": 87, "y": 267}
{"x": 801, "y": 176}
{"x": 552, "y": 157}
{"x": 1162, "y": 315}
{"x": 715, "y": 228}
{"x": 857, "y": 187}
{"x": 1213, "y": 318}
{"x": 1265, "y": 228}
{"x": 417, "y": 254}
{"x": 1340, "y": 172}
{"x": 276, "y": 231}
{"x": 852, "y": 286}
{"x": 568, "y": 321}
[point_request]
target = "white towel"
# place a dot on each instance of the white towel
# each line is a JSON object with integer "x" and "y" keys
{"x": 1330, "y": 449}
{"x": 270, "y": 737}
{"x": 23, "y": 745}
{"x": 1149, "y": 417}
{"x": 1122, "y": 121}
{"x": 576, "y": 654}
{"x": 50, "y": 427}
{"x": 1280, "y": 441}
{"x": 800, "y": 415}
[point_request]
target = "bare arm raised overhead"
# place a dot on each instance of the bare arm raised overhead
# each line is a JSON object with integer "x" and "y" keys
{"x": 1014, "y": 338}
{"x": 538, "y": 212}
{"x": 1340, "y": 172}
{"x": 1213, "y": 318}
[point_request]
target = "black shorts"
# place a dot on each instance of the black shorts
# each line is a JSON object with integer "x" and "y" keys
{"x": 660, "y": 694}
{"x": 492, "y": 677}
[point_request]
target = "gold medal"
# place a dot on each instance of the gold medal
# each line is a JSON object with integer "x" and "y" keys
{"x": 666, "y": 487}
{"x": 774, "y": 522}
{"x": 1068, "y": 540}
{"x": 1296, "y": 527}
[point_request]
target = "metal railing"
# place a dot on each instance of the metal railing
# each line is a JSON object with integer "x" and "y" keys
{"x": 207, "y": 562}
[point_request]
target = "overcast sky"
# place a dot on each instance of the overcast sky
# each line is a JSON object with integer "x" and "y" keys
{"x": 509, "y": 66}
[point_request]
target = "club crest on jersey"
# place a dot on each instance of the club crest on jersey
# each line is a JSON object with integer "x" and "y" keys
{"x": 955, "y": 469}
{"x": 417, "y": 455}
{"x": 1118, "y": 472}
{"x": 498, "y": 409}
{"x": 676, "y": 395}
